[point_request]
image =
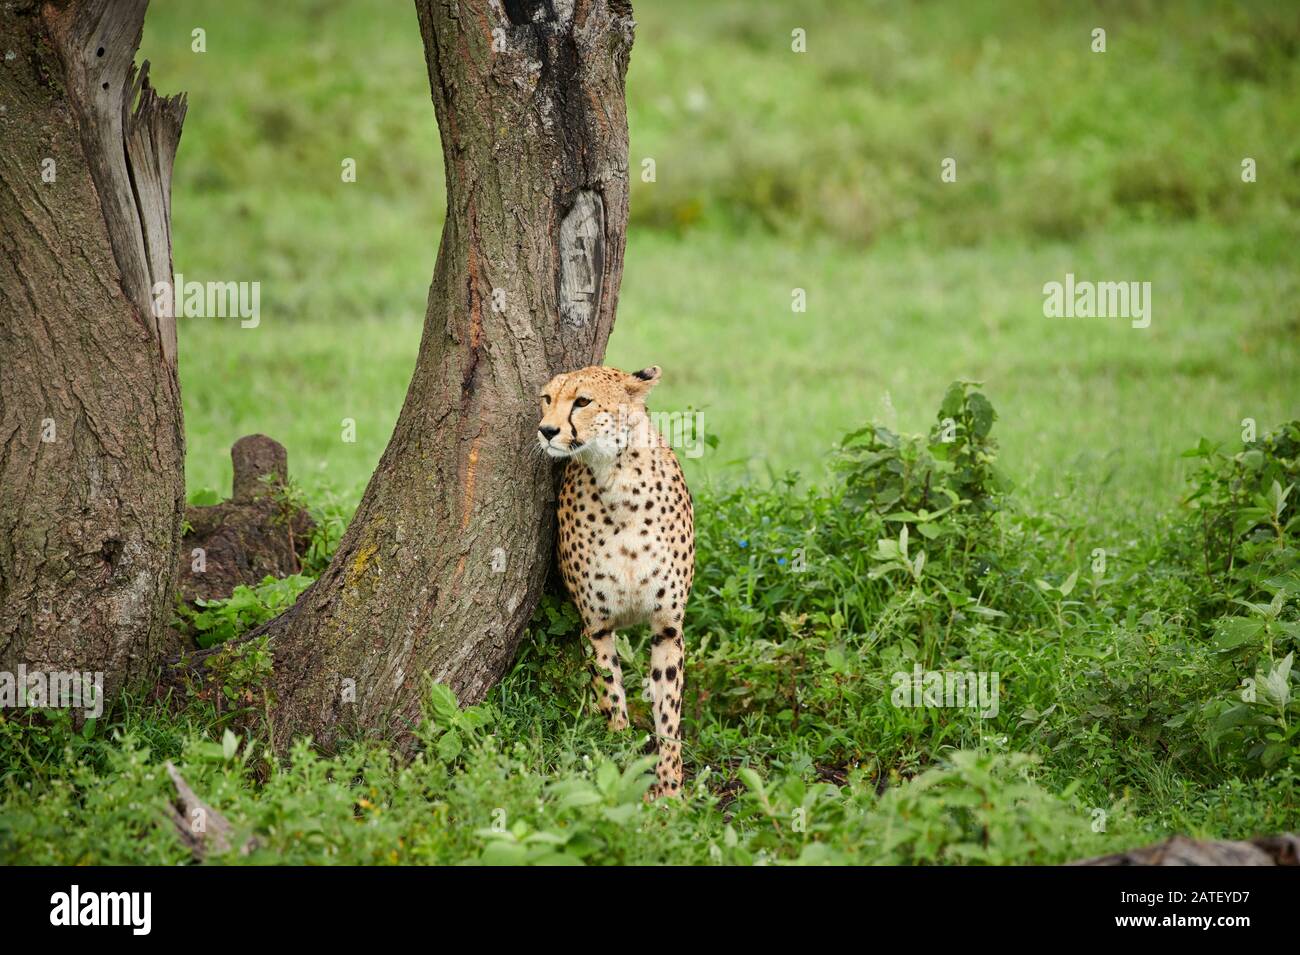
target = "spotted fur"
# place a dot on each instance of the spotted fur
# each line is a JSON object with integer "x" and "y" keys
{"x": 626, "y": 539}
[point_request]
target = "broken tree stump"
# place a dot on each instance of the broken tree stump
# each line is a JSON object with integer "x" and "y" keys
{"x": 254, "y": 534}
{"x": 204, "y": 831}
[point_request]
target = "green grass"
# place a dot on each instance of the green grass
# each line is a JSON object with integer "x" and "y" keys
{"x": 1091, "y": 403}
{"x": 777, "y": 171}
{"x": 1121, "y": 712}
{"x": 774, "y": 171}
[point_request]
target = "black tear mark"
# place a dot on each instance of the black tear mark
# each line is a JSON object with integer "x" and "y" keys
{"x": 573, "y": 442}
{"x": 524, "y": 12}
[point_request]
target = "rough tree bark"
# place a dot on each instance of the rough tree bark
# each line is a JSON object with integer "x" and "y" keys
{"x": 91, "y": 441}
{"x": 446, "y": 557}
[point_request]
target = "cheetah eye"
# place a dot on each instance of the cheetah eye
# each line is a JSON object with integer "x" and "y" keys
{"x": 581, "y": 402}
{"x": 546, "y": 398}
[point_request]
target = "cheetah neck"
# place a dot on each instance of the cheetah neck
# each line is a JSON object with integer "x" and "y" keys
{"x": 609, "y": 465}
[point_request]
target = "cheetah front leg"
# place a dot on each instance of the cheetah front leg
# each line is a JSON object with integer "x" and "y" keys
{"x": 608, "y": 678}
{"x": 667, "y": 664}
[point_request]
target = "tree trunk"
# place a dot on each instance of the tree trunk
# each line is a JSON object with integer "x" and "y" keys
{"x": 91, "y": 442}
{"x": 445, "y": 559}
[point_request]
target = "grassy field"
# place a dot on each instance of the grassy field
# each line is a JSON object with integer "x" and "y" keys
{"x": 777, "y": 170}
{"x": 1122, "y": 682}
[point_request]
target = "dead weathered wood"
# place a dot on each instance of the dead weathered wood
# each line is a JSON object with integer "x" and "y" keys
{"x": 1181, "y": 851}
{"x": 260, "y": 464}
{"x": 91, "y": 437}
{"x": 254, "y": 535}
{"x": 130, "y": 135}
{"x": 204, "y": 831}
{"x": 582, "y": 250}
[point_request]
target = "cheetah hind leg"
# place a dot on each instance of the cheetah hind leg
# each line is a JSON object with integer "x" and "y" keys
{"x": 607, "y": 680}
{"x": 667, "y": 660}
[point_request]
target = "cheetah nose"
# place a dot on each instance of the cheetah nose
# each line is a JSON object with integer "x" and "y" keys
{"x": 548, "y": 431}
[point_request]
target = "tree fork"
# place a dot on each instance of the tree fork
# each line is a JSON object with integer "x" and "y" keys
{"x": 91, "y": 439}
{"x": 444, "y": 561}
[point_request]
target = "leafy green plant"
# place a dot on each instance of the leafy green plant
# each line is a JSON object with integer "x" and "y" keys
{"x": 329, "y": 520}
{"x": 927, "y": 478}
{"x": 975, "y": 807}
{"x": 449, "y": 729}
{"x": 217, "y": 621}
{"x": 1244, "y": 506}
{"x": 593, "y": 812}
{"x": 240, "y": 673}
{"x": 1261, "y": 717}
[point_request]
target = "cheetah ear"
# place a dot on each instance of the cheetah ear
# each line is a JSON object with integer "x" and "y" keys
{"x": 640, "y": 383}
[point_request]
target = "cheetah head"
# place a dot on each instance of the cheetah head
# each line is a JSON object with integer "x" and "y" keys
{"x": 590, "y": 411}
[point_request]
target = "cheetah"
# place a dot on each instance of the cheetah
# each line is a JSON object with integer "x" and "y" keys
{"x": 626, "y": 540}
